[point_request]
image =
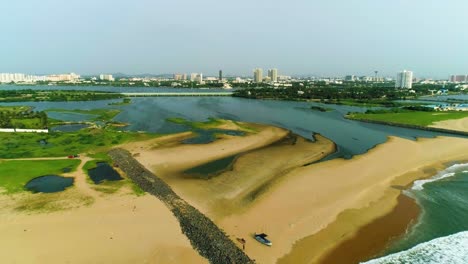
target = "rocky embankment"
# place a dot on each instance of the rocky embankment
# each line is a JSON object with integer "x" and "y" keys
{"x": 209, "y": 240}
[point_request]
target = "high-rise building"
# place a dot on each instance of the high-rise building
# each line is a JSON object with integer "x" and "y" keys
{"x": 193, "y": 77}
{"x": 273, "y": 74}
{"x": 220, "y": 75}
{"x": 404, "y": 80}
{"x": 458, "y": 78}
{"x": 258, "y": 75}
{"x": 196, "y": 77}
{"x": 180, "y": 77}
{"x": 106, "y": 77}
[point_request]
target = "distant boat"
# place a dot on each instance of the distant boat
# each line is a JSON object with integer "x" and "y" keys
{"x": 262, "y": 239}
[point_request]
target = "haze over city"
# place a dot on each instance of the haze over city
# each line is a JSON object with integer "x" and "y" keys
{"x": 323, "y": 38}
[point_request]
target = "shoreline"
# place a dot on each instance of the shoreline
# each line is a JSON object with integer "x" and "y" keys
{"x": 372, "y": 239}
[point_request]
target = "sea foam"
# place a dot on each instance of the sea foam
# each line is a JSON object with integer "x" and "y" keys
{"x": 450, "y": 249}
{"x": 449, "y": 172}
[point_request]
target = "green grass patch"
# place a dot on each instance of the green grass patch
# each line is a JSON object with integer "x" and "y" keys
{"x": 418, "y": 118}
{"x": 15, "y": 109}
{"x": 103, "y": 115}
{"x": 91, "y": 140}
{"x": 15, "y": 174}
{"x": 32, "y": 123}
{"x": 211, "y": 123}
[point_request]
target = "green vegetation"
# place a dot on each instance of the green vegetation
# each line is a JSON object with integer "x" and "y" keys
{"x": 55, "y": 95}
{"x": 22, "y": 117}
{"x": 125, "y": 101}
{"x": 103, "y": 115}
{"x": 211, "y": 123}
{"x": 348, "y": 93}
{"x": 407, "y": 117}
{"x": 56, "y": 144}
{"x": 15, "y": 174}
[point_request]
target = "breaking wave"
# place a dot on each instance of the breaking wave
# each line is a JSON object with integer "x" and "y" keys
{"x": 449, "y": 172}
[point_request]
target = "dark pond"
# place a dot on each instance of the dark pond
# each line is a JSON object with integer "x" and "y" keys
{"x": 103, "y": 172}
{"x": 209, "y": 135}
{"x": 49, "y": 184}
{"x": 211, "y": 169}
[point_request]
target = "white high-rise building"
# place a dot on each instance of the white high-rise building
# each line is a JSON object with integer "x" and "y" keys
{"x": 258, "y": 75}
{"x": 196, "y": 77}
{"x": 273, "y": 74}
{"x": 106, "y": 77}
{"x": 404, "y": 80}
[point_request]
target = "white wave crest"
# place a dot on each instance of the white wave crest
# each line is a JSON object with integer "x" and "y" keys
{"x": 450, "y": 249}
{"x": 449, "y": 172}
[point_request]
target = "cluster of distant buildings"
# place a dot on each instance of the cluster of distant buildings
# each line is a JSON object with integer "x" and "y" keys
{"x": 194, "y": 77}
{"x": 24, "y": 78}
{"x": 403, "y": 80}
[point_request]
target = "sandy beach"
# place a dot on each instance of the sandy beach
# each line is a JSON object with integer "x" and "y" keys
{"x": 336, "y": 197}
{"x": 457, "y": 124}
{"x": 119, "y": 228}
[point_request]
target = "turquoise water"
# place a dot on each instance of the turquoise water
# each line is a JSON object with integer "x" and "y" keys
{"x": 440, "y": 236}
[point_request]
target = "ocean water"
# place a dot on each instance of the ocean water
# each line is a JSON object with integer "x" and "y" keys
{"x": 441, "y": 233}
{"x": 451, "y": 249}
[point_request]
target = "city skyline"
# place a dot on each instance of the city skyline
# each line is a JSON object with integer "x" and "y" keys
{"x": 332, "y": 38}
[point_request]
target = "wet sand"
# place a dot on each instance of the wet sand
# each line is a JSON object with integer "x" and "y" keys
{"x": 373, "y": 238}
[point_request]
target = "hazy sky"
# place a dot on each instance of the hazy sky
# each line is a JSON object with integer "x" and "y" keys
{"x": 321, "y": 37}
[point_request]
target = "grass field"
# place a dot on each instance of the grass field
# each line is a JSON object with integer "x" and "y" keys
{"x": 411, "y": 117}
{"x": 103, "y": 115}
{"x": 15, "y": 108}
{"x": 211, "y": 123}
{"x": 56, "y": 144}
{"x": 15, "y": 174}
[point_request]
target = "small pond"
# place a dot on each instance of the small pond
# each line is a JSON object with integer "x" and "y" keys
{"x": 49, "y": 184}
{"x": 103, "y": 172}
{"x": 209, "y": 135}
